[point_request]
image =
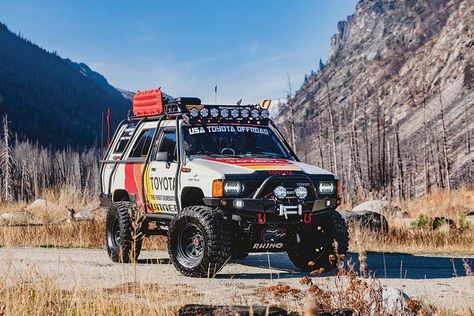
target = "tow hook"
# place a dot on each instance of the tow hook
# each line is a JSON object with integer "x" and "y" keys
{"x": 307, "y": 218}
{"x": 262, "y": 218}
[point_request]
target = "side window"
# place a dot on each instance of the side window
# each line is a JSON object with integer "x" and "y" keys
{"x": 168, "y": 144}
{"x": 141, "y": 146}
{"x": 124, "y": 139}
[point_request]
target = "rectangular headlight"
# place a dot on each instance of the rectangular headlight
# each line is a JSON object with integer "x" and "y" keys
{"x": 327, "y": 187}
{"x": 232, "y": 188}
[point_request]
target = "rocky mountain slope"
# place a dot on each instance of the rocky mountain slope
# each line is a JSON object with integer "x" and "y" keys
{"x": 397, "y": 72}
{"x": 50, "y": 99}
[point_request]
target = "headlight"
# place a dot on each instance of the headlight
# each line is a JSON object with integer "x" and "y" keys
{"x": 280, "y": 192}
{"x": 232, "y": 187}
{"x": 301, "y": 192}
{"x": 326, "y": 187}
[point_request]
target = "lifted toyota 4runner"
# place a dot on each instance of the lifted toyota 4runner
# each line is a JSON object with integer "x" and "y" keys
{"x": 219, "y": 181}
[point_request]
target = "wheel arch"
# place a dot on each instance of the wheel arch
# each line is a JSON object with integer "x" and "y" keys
{"x": 120, "y": 195}
{"x": 191, "y": 196}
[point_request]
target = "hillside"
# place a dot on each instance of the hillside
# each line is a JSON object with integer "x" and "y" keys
{"x": 53, "y": 100}
{"x": 397, "y": 71}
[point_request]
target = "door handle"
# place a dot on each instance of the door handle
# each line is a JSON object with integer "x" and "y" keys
{"x": 153, "y": 169}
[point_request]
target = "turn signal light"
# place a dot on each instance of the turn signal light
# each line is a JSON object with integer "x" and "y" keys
{"x": 339, "y": 189}
{"x": 218, "y": 188}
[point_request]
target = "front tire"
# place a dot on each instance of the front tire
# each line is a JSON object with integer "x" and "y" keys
{"x": 198, "y": 241}
{"x": 123, "y": 234}
{"x": 322, "y": 243}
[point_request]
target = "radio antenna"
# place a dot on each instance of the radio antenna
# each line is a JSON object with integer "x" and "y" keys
{"x": 215, "y": 87}
{"x": 215, "y": 95}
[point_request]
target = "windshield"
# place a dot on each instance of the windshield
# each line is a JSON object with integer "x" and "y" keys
{"x": 233, "y": 140}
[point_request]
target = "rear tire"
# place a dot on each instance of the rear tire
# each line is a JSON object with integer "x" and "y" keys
{"x": 123, "y": 235}
{"x": 199, "y": 241}
{"x": 324, "y": 251}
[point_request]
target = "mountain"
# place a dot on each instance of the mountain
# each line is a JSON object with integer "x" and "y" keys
{"x": 394, "y": 103}
{"x": 53, "y": 100}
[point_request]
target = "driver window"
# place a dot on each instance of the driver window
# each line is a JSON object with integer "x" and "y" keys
{"x": 168, "y": 144}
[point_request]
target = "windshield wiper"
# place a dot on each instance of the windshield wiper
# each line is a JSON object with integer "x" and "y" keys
{"x": 264, "y": 153}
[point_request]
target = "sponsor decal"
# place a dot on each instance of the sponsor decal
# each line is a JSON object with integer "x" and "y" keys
{"x": 163, "y": 183}
{"x": 280, "y": 172}
{"x": 267, "y": 246}
{"x": 271, "y": 164}
{"x": 159, "y": 207}
{"x": 227, "y": 128}
{"x": 133, "y": 183}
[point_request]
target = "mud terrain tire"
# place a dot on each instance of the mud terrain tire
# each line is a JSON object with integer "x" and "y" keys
{"x": 199, "y": 241}
{"x": 335, "y": 232}
{"x": 123, "y": 236}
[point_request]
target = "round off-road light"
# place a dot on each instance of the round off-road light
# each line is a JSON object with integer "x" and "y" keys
{"x": 235, "y": 113}
{"x": 204, "y": 112}
{"x": 245, "y": 113}
{"x": 280, "y": 192}
{"x": 225, "y": 113}
{"x": 255, "y": 113}
{"x": 194, "y": 112}
{"x": 265, "y": 114}
{"x": 301, "y": 192}
{"x": 214, "y": 112}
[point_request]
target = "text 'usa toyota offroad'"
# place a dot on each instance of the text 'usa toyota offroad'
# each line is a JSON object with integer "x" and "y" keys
{"x": 219, "y": 181}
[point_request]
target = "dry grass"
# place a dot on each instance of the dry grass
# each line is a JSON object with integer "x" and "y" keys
{"x": 406, "y": 235}
{"x": 352, "y": 290}
{"x": 402, "y": 237}
{"x": 416, "y": 241}
{"x": 41, "y": 296}
{"x": 452, "y": 204}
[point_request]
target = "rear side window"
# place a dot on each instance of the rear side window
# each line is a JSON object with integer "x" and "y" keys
{"x": 125, "y": 138}
{"x": 141, "y": 146}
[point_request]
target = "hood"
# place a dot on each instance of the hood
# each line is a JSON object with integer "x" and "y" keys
{"x": 250, "y": 165}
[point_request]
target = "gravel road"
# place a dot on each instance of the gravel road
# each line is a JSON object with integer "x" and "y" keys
{"x": 427, "y": 277}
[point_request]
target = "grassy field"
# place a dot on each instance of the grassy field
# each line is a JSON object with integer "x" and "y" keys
{"x": 412, "y": 235}
{"x": 46, "y": 298}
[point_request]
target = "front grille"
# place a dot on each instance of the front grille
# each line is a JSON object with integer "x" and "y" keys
{"x": 290, "y": 183}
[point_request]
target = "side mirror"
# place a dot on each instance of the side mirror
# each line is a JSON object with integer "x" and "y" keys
{"x": 162, "y": 156}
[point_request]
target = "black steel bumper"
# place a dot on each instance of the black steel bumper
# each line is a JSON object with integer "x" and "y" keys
{"x": 253, "y": 206}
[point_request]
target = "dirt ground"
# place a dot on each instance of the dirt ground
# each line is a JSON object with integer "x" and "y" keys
{"x": 435, "y": 279}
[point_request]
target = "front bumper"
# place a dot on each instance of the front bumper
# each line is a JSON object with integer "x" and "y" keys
{"x": 252, "y": 207}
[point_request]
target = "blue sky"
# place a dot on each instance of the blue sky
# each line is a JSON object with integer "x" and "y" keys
{"x": 187, "y": 47}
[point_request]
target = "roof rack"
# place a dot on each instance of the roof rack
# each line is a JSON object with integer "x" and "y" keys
{"x": 151, "y": 103}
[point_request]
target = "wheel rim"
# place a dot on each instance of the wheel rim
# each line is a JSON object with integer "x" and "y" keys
{"x": 319, "y": 244}
{"x": 191, "y": 245}
{"x": 113, "y": 234}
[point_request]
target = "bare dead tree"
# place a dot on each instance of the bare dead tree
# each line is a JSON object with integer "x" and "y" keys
{"x": 445, "y": 142}
{"x": 7, "y": 162}
{"x": 468, "y": 129}
{"x": 321, "y": 139}
{"x": 425, "y": 141}
{"x": 292, "y": 114}
{"x": 401, "y": 176}
{"x": 333, "y": 128}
